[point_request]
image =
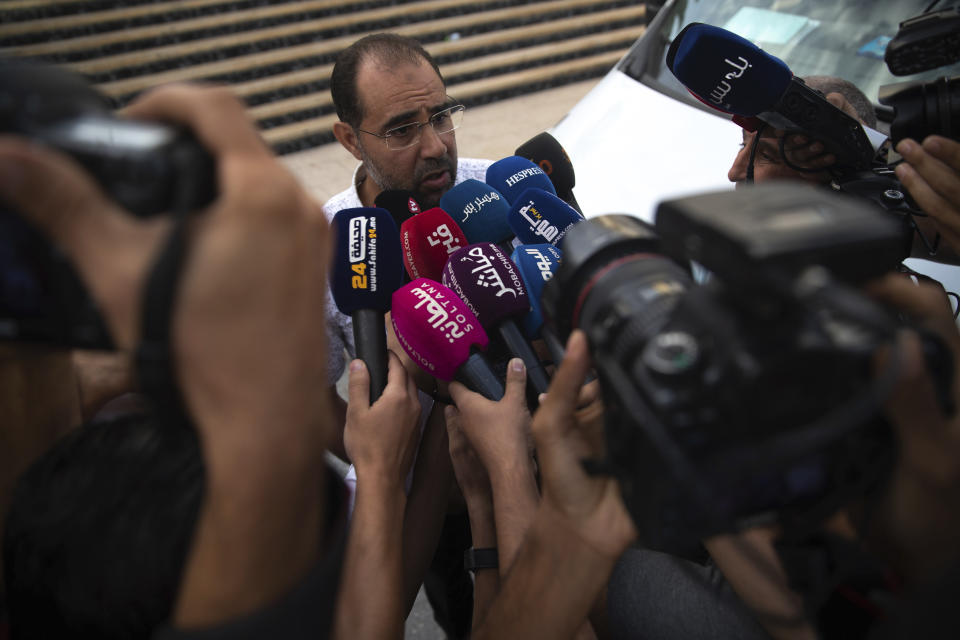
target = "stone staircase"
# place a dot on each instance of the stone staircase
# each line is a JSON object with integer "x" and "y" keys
{"x": 278, "y": 55}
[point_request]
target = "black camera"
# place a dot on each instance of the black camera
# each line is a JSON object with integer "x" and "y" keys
{"x": 751, "y": 397}
{"x": 148, "y": 168}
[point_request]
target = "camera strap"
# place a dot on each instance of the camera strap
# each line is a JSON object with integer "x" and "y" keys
{"x": 154, "y": 357}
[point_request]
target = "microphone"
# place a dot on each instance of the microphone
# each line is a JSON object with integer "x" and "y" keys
{"x": 489, "y": 283}
{"x": 440, "y": 333}
{"x": 538, "y": 216}
{"x": 479, "y": 210}
{"x": 427, "y": 240}
{"x": 366, "y": 238}
{"x": 546, "y": 152}
{"x": 537, "y": 263}
{"x": 513, "y": 175}
{"x": 401, "y": 204}
{"x": 730, "y": 74}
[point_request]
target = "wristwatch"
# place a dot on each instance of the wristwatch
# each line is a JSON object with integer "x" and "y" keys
{"x": 476, "y": 559}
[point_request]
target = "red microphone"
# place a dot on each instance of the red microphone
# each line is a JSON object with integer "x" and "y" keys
{"x": 427, "y": 240}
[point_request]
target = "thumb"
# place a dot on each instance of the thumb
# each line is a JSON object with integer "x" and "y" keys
{"x": 358, "y": 386}
{"x": 516, "y": 380}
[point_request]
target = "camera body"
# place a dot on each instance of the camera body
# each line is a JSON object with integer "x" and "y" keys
{"x": 750, "y": 397}
{"x": 147, "y": 168}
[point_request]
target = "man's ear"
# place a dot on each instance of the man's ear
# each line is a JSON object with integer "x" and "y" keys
{"x": 348, "y": 138}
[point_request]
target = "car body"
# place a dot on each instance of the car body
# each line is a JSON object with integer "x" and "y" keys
{"x": 640, "y": 137}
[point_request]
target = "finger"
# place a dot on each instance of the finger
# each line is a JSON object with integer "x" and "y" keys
{"x": 589, "y": 393}
{"x": 938, "y": 176}
{"x": 921, "y": 300}
{"x": 460, "y": 394}
{"x": 944, "y": 149}
{"x": 109, "y": 248}
{"x": 358, "y": 385}
{"x": 516, "y": 382}
{"x": 214, "y": 114}
{"x": 560, "y": 400}
{"x": 396, "y": 374}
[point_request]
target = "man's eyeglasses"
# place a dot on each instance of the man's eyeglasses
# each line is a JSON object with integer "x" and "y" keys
{"x": 407, "y": 135}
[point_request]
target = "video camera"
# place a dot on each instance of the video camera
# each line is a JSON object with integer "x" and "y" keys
{"x": 147, "y": 168}
{"x": 748, "y": 399}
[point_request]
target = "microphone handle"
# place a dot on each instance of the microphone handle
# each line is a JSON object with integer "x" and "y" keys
{"x": 518, "y": 346}
{"x": 554, "y": 346}
{"x": 477, "y": 375}
{"x": 370, "y": 339}
{"x": 557, "y": 350}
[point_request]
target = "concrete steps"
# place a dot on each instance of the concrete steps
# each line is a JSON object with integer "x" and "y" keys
{"x": 278, "y": 55}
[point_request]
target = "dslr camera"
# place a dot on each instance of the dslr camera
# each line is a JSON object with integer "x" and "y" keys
{"x": 751, "y": 398}
{"x": 147, "y": 168}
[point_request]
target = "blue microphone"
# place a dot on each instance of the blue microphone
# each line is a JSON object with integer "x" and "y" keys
{"x": 538, "y": 216}
{"x": 537, "y": 263}
{"x": 479, "y": 210}
{"x": 731, "y": 74}
{"x": 513, "y": 175}
{"x": 367, "y": 269}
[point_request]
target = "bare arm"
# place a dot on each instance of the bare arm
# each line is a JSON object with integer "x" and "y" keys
{"x": 478, "y": 496}
{"x": 580, "y": 528}
{"x": 382, "y": 441}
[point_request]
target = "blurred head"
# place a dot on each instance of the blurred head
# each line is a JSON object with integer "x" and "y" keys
{"x": 768, "y": 163}
{"x": 383, "y": 82}
{"x": 98, "y": 531}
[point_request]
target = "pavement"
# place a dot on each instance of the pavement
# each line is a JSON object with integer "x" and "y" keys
{"x": 491, "y": 131}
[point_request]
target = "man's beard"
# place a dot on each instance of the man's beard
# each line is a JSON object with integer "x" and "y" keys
{"x": 425, "y": 200}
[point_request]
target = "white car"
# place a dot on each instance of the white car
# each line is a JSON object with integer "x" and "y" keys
{"x": 639, "y": 137}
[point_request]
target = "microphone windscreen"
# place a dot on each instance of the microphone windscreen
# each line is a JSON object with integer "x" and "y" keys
{"x": 479, "y": 210}
{"x": 427, "y": 241}
{"x": 537, "y": 263}
{"x": 488, "y": 281}
{"x": 538, "y": 216}
{"x": 513, "y": 175}
{"x": 546, "y": 152}
{"x": 727, "y": 72}
{"x": 366, "y": 262}
{"x": 435, "y": 327}
{"x": 401, "y": 204}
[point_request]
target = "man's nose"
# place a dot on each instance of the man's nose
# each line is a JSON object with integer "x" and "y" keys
{"x": 738, "y": 170}
{"x": 431, "y": 144}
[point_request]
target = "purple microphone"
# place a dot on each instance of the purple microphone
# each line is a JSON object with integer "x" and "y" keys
{"x": 490, "y": 284}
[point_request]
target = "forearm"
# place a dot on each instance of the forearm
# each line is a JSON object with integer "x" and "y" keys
{"x": 426, "y": 504}
{"x": 371, "y": 600}
{"x": 515, "y": 499}
{"x": 259, "y": 529}
{"x": 555, "y": 574}
{"x": 751, "y": 566}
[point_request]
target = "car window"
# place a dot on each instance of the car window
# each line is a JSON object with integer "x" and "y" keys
{"x": 814, "y": 37}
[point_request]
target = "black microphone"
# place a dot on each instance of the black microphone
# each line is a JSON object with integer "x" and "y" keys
{"x": 366, "y": 239}
{"x": 546, "y": 152}
{"x": 401, "y": 204}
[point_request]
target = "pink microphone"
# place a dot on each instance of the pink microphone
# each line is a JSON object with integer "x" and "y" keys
{"x": 426, "y": 240}
{"x": 445, "y": 339}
